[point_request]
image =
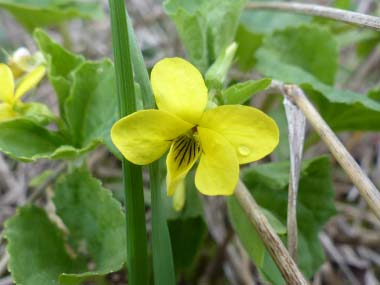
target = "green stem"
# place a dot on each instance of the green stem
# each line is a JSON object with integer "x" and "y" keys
{"x": 163, "y": 265}
{"x": 137, "y": 256}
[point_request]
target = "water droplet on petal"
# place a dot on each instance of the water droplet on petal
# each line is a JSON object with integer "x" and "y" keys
{"x": 244, "y": 150}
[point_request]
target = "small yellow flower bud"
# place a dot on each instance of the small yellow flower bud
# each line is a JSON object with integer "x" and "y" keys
{"x": 179, "y": 196}
{"x": 22, "y": 61}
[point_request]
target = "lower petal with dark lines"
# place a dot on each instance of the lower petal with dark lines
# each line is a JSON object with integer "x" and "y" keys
{"x": 183, "y": 153}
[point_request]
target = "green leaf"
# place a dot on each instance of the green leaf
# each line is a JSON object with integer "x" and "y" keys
{"x": 277, "y": 225}
{"x": 282, "y": 57}
{"x": 91, "y": 108}
{"x": 187, "y": 236}
{"x": 352, "y": 116}
{"x": 241, "y": 92}
{"x": 25, "y": 140}
{"x": 310, "y": 49}
{"x": 193, "y": 35}
{"x": 248, "y": 42}
{"x": 40, "y": 113}
{"x": 282, "y": 151}
{"x": 269, "y": 185}
{"x": 205, "y": 27}
{"x": 40, "y": 13}
{"x": 342, "y": 4}
{"x": 367, "y": 45}
{"x": 60, "y": 65}
{"x": 266, "y": 22}
{"x": 84, "y": 90}
{"x": 95, "y": 222}
{"x": 96, "y": 233}
{"x": 270, "y": 271}
{"x": 255, "y": 25}
{"x": 36, "y": 248}
{"x": 374, "y": 94}
{"x": 68, "y": 151}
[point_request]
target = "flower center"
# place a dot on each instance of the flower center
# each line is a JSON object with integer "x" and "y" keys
{"x": 186, "y": 149}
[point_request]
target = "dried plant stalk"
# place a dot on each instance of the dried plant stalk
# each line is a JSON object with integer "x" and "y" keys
{"x": 273, "y": 243}
{"x": 321, "y": 11}
{"x": 296, "y": 133}
{"x": 366, "y": 188}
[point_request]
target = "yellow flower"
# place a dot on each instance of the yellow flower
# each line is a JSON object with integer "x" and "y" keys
{"x": 9, "y": 95}
{"x": 221, "y": 138}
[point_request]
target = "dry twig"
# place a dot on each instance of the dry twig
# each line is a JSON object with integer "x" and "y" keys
{"x": 3, "y": 262}
{"x": 366, "y": 188}
{"x": 320, "y": 11}
{"x": 273, "y": 243}
{"x": 296, "y": 134}
{"x": 370, "y": 64}
{"x": 338, "y": 258}
{"x": 6, "y": 280}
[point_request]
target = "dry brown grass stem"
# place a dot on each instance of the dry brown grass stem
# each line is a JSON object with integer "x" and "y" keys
{"x": 364, "y": 185}
{"x": 350, "y": 17}
{"x": 273, "y": 243}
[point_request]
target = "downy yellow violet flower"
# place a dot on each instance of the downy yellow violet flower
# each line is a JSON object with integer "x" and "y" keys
{"x": 221, "y": 138}
{"x": 10, "y": 97}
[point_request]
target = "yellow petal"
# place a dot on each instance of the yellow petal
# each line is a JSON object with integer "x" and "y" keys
{"x": 144, "y": 136}
{"x": 30, "y": 81}
{"x": 183, "y": 153}
{"x": 179, "y": 89}
{"x": 6, "y": 84}
{"x": 16, "y": 71}
{"x": 252, "y": 133}
{"x": 6, "y": 112}
{"x": 218, "y": 170}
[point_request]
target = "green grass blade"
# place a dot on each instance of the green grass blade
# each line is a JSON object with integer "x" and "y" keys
{"x": 137, "y": 257}
{"x": 163, "y": 265}
{"x": 142, "y": 76}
